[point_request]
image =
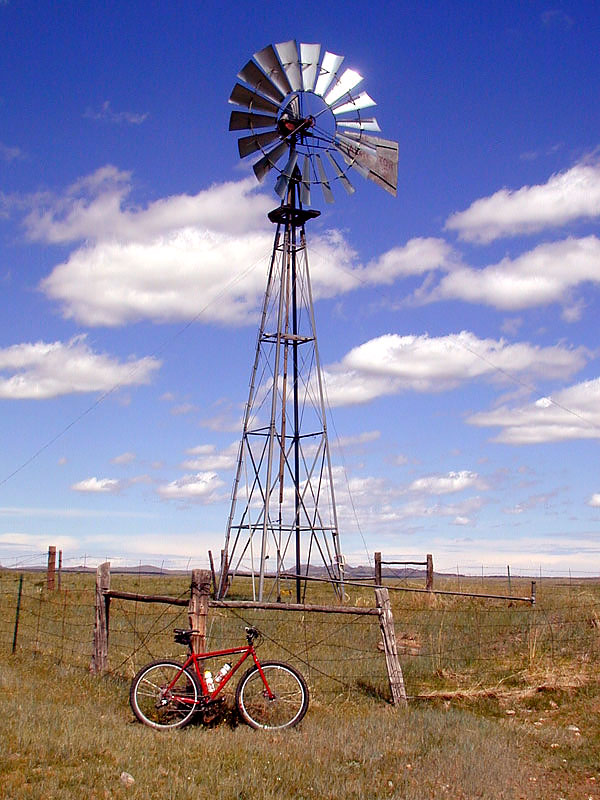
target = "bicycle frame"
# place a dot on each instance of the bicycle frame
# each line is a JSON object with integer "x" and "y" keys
{"x": 197, "y": 658}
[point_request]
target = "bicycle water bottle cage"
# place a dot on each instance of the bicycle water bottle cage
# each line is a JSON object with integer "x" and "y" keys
{"x": 183, "y": 636}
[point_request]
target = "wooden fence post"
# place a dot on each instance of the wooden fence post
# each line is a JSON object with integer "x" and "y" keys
{"x": 14, "y": 643}
{"x": 429, "y": 583}
{"x": 198, "y": 608}
{"x": 100, "y": 655}
{"x": 377, "y": 569}
{"x": 386, "y": 623}
{"x": 59, "y": 570}
{"x": 213, "y": 575}
{"x": 51, "y": 568}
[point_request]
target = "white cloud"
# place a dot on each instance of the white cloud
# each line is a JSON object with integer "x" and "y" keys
{"x": 10, "y": 153}
{"x": 357, "y": 439}
{"x": 391, "y": 363}
{"x": 565, "y": 197}
{"x": 108, "y": 114}
{"x": 185, "y": 255}
{"x": 124, "y": 458}
{"x": 207, "y": 457}
{"x": 572, "y": 413}
{"x": 547, "y": 274}
{"x": 447, "y": 484}
{"x": 49, "y": 369}
{"x": 97, "y": 485}
{"x": 202, "y": 487}
{"x": 594, "y": 500}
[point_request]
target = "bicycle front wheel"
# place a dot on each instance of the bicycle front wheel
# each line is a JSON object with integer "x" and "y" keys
{"x": 163, "y": 695}
{"x": 286, "y": 706}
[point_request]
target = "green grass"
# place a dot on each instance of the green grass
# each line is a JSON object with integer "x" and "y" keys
{"x": 503, "y": 684}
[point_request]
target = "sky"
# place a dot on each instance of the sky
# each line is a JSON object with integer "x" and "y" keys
{"x": 457, "y": 322}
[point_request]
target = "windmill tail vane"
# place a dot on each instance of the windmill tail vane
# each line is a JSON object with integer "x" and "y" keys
{"x": 303, "y": 114}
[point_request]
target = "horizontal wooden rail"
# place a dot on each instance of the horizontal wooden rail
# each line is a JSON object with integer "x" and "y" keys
{"x": 182, "y": 601}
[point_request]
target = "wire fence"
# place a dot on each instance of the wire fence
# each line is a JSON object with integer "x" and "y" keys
{"x": 444, "y": 643}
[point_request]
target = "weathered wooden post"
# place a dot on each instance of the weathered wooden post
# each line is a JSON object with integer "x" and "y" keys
{"x": 212, "y": 574}
{"x": 100, "y": 655}
{"x": 377, "y": 569}
{"x": 223, "y": 576}
{"x": 394, "y": 670}
{"x": 429, "y": 583}
{"x": 533, "y": 588}
{"x": 16, "y": 631}
{"x": 51, "y": 568}
{"x": 59, "y": 570}
{"x": 198, "y": 608}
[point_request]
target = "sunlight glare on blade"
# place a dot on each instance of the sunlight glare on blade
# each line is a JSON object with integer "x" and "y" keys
{"x": 329, "y": 66}
{"x": 349, "y": 79}
{"x": 362, "y": 101}
{"x": 362, "y": 124}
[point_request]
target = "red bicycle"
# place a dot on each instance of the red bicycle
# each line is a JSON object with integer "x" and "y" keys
{"x": 166, "y": 694}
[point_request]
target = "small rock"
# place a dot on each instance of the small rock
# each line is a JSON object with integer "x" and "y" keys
{"x": 573, "y": 728}
{"x": 511, "y": 712}
{"x": 127, "y": 779}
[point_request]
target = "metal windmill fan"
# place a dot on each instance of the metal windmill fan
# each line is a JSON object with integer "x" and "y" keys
{"x": 306, "y": 108}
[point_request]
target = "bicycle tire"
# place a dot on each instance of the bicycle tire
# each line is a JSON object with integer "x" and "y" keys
{"x": 289, "y": 704}
{"x": 156, "y": 709}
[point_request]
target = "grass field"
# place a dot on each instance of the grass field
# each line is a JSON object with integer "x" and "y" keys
{"x": 505, "y": 699}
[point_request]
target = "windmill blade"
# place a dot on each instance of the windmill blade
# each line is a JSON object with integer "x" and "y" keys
{"x": 348, "y": 80}
{"x": 341, "y": 175}
{"x": 268, "y": 161}
{"x": 250, "y": 144}
{"x": 288, "y": 55}
{"x": 362, "y": 101}
{"x": 309, "y": 58}
{"x": 362, "y": 124}
{"x": 240, "y": 96}
{"x": 329, "y": 66}
{"x": 254, "y": 77}
{"x": 380, "y": 167}
{"x": 284, "y": 178}
{"x": 327, "y": 193}
{"x": 353, "y": 146}
{"x": 269, "y": 63}
{"x": 305, "y": 184}
{"x": 241, "y": 120}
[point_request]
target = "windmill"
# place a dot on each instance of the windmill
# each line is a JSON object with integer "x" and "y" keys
{"x": 303, "y": 121}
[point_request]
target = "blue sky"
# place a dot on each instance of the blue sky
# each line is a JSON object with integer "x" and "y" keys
{"x": 457, "y": 322}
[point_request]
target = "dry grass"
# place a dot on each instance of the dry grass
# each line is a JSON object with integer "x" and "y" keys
{"x": 502, "y": 685}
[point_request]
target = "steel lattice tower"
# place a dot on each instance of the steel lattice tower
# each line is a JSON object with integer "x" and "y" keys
{"x": 283, "y": 503}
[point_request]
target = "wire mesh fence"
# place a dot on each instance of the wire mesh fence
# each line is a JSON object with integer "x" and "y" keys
{"x": 444, "y": 643}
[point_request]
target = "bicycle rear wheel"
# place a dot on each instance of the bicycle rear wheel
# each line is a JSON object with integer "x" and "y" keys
{"x": 288, "y": 704}
{"x": 161, "y": 707}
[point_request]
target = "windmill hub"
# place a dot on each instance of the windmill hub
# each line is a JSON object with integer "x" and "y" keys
{"x": 289, "y": 126}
